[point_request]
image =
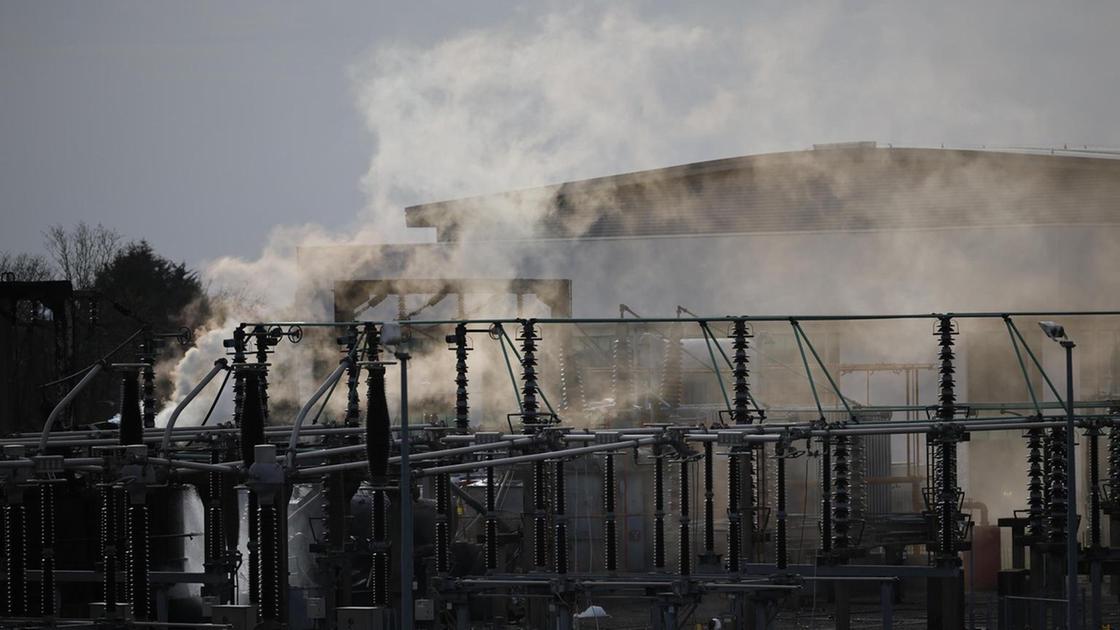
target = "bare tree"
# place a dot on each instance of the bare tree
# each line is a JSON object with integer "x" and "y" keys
{"x": 82, "y": 252}
{"x": 24, "y": 267}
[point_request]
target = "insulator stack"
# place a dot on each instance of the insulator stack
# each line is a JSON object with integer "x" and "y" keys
{"x": 684, "y": 549}
{"x": 947, "y": 398}
{"x": 1114, "y": 461}
{"x": 15, "y": 555}
{"x": 252, "y": 433}
{"x": 215, "y": 543}
{"x": 139, "y": 551}
{"x": 946, "y": 449}
{"x": 132, "y": 425}
{"x": 622, "y": 369}
{"x": 271, "y": 539}
{"x": 1036, "y": 506}
{"x": 353, "y": 376}
{"x": 610, "y": 533}
{"x": 658, "y": 509}
{"x": 741, "y": 465}
{"x": 462, "y": 402}
{"x": 540, "y": 516}
{"x": 826, "y": 495}
{"x": 331, "y": 513}
{"x": 1093, "y": 433}
{"x": 709, "y": 499}
{"x": 108, "y": 543}
{"x": 443, "y": 533}
{"x": 582, "y": 390}
{"x": 841, "y": 493}
{"x": 148, "y": 376}
{"x": 734, "y": 524}
{"x": 491, "y": 520}
{"x": 559, "y": 510}
{"x": 740, "y": 343}
{"x": 780, "y": 547}
{"x": 530, "y": 389}
{"x": 562, "y": 368}
{"x": 238, "y": 345}
{"x": 857, "y": 475}
{"x": 47, "y": 538}
{"x": 672, "y": 385}
{"x": 263, "y": 343}
{"x": 379, "y": 527}
{"x": 1059, "y": 490}
{"x": 1047, "y": 444}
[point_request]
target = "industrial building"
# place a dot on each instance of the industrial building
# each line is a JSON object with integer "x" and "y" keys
{"x": 804, "y": 389}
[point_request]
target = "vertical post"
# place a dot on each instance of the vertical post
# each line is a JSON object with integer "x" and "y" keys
{"x": 886, "y": 603}
{"x": 406, "y": 501}
{"x": 1071, "y": 503}
{"x": 1095, "y": 524}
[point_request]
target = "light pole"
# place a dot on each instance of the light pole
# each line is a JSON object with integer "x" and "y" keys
{"x": 1057, "y": 332}
{"x": 406, "y": 500}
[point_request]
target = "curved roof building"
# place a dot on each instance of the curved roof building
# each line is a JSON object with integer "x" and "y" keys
{"x": 842, "y": 187}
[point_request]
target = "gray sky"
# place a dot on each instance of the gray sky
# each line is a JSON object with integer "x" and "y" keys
{"x": 203, "y": 126}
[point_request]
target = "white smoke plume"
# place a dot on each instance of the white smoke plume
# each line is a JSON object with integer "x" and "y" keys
{"x": 591, "y": 91}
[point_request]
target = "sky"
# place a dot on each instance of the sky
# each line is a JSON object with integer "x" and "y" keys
{"x": 217, "y": 129}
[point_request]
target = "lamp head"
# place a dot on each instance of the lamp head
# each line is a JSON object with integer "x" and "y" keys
{"x": 1053, "y": 330}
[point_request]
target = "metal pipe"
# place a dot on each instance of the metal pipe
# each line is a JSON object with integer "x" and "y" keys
{"x": 533, "y": 457}
{"x": 722, "y": 318}
{"x": 65, "y": 402}
{"x": 474, "y": 448}
{"x": 310, "y": 404}
{"x": 219, "y": 365}
{"x": 188, "y": 465}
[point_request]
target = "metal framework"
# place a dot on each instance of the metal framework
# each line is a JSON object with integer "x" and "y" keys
{"x": 366, "y": 461}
